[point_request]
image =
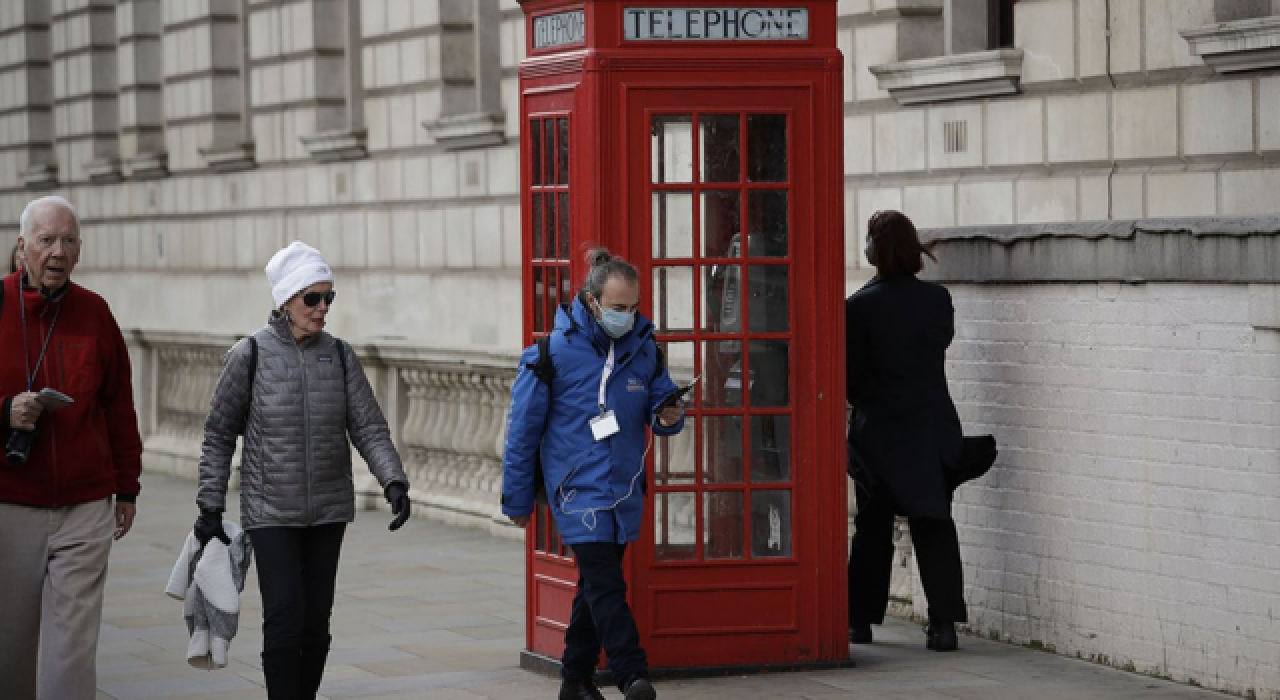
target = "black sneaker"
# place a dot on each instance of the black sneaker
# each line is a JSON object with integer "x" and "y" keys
{"x": 641, "y": 689}
{"x": 579, "y": 690}
{"x": 860, "y": 634}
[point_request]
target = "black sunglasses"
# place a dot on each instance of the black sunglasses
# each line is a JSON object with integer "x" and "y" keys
{"x": 313, "y": 298}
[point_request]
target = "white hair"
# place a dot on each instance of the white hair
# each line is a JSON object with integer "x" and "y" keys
{"x": 34, "y": 205}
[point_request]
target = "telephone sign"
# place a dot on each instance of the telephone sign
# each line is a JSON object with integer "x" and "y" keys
{"x": 715, "y": 23}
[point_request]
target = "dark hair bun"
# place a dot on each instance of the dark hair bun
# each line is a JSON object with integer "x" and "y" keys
{"x": 599, "y": 256}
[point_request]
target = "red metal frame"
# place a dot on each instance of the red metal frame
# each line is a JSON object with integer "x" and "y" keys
{"x": 732, "y": 612}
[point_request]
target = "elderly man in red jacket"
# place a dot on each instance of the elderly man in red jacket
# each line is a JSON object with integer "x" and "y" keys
{"x": 69, "y": 477}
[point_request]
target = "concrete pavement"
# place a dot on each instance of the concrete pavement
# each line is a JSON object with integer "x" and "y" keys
{"x": 436, "y": 613}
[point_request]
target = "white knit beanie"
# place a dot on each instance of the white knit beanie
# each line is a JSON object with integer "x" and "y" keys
{"x": 295, "y": 268}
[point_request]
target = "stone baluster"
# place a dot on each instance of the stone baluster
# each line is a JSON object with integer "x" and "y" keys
{"x": 491, "y": 437}
{"x": 433, "y": 401}
{"x": 448, "y": 410}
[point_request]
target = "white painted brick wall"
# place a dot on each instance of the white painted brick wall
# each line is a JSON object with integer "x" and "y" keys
{"x": 1131, "y": 517}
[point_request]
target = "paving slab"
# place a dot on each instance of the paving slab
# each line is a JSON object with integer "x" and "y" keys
{"x": 435, "y": 612}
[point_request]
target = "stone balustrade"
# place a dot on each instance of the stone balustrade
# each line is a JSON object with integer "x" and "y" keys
{"x": 446, "y": 412}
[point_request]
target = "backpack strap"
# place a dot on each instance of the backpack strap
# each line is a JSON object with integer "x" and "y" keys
{"x": 253, "y": 372}
{"x": 342, "y": 357}
{"x": 545, "y": 368}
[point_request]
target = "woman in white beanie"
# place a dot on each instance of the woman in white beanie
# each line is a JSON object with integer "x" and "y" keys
{"x": 296, "y": 393}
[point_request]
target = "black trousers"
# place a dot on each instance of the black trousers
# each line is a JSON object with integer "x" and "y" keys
{"x": 871, "y": 562}
{"x": 297, "y": 575}
{"x": 602, "y": 618}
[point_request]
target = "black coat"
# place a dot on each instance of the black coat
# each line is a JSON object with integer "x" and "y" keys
{"x": 905, "y": 430}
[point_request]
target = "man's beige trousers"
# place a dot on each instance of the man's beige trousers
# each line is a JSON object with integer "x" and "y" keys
{"x": 53, "y": 565}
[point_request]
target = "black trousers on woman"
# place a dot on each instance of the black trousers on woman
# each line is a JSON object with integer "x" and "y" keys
{"x": 297, "y": 575}
{"x": 871, "y": 562}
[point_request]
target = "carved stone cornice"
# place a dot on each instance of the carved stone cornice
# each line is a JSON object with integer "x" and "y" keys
{"x": 230, "y": 159}
{"x": 1231, "y": 47}
{"x": 147, "y": 166}
{"x": 468, "y": 131}
{"x": 337, "y": 145}
{"x": 958, "y": 77}
{"x": 40, "y": 176}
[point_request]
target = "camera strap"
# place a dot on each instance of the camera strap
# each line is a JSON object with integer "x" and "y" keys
{"x": 31, "y": 372}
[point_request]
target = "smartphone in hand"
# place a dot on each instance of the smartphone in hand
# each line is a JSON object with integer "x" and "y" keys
{"x": 676, "y": 396}
{"x": 52, "y": 399}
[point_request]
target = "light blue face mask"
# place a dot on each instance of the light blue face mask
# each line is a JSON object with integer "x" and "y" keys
{"x": 616, "y": 323}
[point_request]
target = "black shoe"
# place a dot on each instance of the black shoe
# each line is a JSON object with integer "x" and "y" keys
{"x": 941, "y": 636}
{"x": 860, "y": 634}
{"x": 641, "y": 689}
{"x": 579, "y": 690}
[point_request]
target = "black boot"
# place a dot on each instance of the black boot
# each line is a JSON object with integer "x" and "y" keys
{"x": 641, "y": 689}
{"x": 860, "y": 634}
{"x": 282, "y": 669}
{"x": 314, "y": 655}
{"x": 941, "y": 636}
{"x": 579, "y": 690}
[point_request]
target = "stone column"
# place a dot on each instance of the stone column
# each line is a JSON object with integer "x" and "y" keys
{"x": 306, "y": 92}
{"x": 471, "y": 68}
{"x": 1232, "y": 10}
{"x": 86, "y": 111}
{"x": 26, "y": 96}
{"x": 969, "y": 25}
{"x": 204, "y": 86}
{"x": 141, "y": 79}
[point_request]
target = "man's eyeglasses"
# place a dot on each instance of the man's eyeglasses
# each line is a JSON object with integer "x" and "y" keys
{"x": 313, "y": 298}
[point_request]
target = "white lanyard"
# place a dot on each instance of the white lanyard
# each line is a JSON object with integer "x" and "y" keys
{"x": 604, "y": 376}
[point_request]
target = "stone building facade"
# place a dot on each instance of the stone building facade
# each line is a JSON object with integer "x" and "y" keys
{"x": 1099, "y": 175}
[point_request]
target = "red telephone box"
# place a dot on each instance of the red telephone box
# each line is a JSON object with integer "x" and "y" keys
{"x": 702, "y": 140}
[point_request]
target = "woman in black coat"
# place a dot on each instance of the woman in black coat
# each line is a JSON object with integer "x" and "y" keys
{"x": 905, "y": 431}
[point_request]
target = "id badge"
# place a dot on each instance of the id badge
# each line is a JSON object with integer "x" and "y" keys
{"x": 604, "y": 425}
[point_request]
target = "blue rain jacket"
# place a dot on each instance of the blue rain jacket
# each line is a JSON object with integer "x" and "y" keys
{"x": 584, "y": 478}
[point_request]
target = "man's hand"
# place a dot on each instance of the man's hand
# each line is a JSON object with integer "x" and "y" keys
{"x": 124, "y": 518}
{"x": 671, "y": 415}
{"x": 519, "y": 520}
{"x": 24, "y": 411}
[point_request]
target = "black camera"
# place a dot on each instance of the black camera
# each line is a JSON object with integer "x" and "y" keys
{"x": 18, "y": 448}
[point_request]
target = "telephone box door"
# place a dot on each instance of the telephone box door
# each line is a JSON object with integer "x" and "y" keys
{"x": 722, "y": 207}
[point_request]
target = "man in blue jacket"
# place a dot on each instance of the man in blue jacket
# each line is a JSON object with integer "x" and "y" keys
{"x": 585, "y": 421}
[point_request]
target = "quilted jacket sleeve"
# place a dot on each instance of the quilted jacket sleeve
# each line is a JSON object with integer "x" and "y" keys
{"x": 368, "y": 427}
{"x": 228, "y": 413}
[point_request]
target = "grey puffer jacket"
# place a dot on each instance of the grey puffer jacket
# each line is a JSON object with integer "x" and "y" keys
{"x": 296, "y": 465}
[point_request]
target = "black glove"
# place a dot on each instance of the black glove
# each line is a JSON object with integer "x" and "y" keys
{"x": 209, "y": 526}
{"x": 397, "y": 493}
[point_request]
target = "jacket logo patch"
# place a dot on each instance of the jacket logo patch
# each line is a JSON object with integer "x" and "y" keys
{"x": 324, "y": 358}
{"x": 635, "y": 384}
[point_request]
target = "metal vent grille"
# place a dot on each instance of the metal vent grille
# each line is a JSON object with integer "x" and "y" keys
{"x": 955, "y": 136}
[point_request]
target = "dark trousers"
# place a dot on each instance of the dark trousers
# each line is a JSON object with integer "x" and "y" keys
{"x": 871, "y": 563}
{"x": 297, "y": 575}
{"x": 602, "y": 618}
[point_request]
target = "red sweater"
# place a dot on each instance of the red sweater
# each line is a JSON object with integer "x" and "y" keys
{"x": 90, "y": 449}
